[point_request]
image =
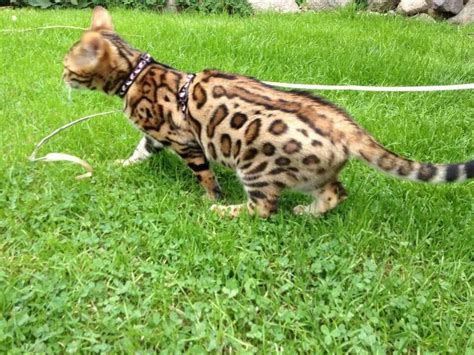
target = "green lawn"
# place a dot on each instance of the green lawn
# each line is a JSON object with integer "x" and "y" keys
{"x": 132, "y": 259}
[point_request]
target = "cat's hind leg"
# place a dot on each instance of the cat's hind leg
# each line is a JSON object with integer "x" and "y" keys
{"x": 325, "y": 198}
{"x": 146, "y": 148}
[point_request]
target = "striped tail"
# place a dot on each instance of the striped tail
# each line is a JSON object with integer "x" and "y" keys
{"x": 370, "y": 151}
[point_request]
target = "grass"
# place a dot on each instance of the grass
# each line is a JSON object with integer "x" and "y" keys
{"x": 132, "y": 260}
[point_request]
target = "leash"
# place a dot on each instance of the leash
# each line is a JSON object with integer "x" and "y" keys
{"x": 182, "y": 98}
{"x": 373, "y": 88}
{"x": 63, "y": 156}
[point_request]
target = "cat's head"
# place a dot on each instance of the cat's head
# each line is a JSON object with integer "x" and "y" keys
{"x": 100, "y": 59}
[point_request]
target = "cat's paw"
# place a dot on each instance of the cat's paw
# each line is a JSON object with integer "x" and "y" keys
{"x": 123, "y": 162}
{"x": 228, "y": 211}
{"x": 300, "y": 209}
{"x": 305, "y": 210}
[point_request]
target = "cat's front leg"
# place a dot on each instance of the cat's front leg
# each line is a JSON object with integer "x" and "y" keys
{"x": 144, "y": 150}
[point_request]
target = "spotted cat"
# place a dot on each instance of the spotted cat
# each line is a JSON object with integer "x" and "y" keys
{"x": 273, "y": 139}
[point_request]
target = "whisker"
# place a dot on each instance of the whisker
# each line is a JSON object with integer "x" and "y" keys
{"x": 69, "y": 93}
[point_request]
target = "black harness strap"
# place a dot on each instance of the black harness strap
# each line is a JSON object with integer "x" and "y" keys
{"x": 145, "y": 60}
{"x": 183, "y": 93}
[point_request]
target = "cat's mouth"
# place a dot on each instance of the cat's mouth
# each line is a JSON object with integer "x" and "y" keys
{"x": 69, "y": 82}
{"x": 73, "y": 85}
{"x": 70, "y": 85}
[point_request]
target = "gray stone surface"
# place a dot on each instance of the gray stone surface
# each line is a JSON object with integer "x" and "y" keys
{"x": 448, "y": 6}
{"x": 274, "y": 5}
{"x": 424, "y": 18}
{"x": 413, "y": 7}
{"x": 321, "y": 5}
{"x": 465, "y": 16}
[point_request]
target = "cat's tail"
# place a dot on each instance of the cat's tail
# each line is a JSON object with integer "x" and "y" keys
{"x": 367, "y": 149}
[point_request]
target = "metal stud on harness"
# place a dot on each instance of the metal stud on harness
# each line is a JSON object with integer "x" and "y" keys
{"x": 183, "y": 93}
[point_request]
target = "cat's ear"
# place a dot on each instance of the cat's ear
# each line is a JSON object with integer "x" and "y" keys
{"x": 92, "y": 49}
{"x": 101, "y": 20}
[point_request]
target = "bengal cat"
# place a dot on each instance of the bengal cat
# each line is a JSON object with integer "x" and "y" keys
{"x": 273, "y": 139}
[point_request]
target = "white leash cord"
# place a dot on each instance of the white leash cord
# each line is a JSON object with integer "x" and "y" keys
{"x": 373, "y": 88}
{"x": 63, "y": 156}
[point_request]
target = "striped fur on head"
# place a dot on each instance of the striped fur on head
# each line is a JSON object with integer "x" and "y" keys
{"x": 101, "y": 60}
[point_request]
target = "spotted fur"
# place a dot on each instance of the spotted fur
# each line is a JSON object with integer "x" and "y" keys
{"x": 273, "y": 139}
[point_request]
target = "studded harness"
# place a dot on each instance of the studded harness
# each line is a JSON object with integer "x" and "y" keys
{"x": 145, "y": 60}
